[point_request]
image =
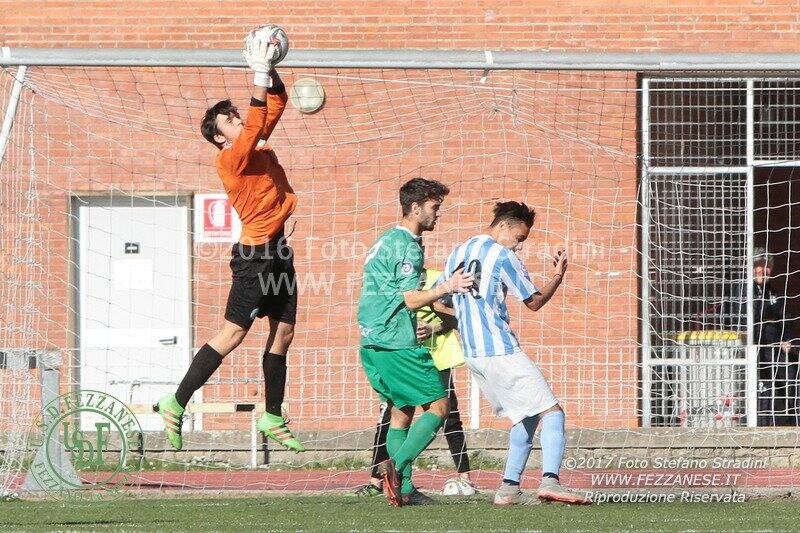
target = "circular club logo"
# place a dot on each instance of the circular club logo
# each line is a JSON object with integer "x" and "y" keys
{"x": 86, "y": 440}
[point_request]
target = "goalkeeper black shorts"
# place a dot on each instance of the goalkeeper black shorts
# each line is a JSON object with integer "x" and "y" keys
{"x": 264, "y": 283}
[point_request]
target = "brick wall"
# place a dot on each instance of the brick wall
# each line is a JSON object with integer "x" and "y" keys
{"x": 711, "y": 25}
{"x": 565, "y": 143}
{"x": 562, "y": 142}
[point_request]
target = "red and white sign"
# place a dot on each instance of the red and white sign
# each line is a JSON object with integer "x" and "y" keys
{"x": 215, "y": 220}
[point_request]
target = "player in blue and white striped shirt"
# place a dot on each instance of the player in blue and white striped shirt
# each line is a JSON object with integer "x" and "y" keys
{"x": 511, "y": 382}
{"x": 497, "y": 270}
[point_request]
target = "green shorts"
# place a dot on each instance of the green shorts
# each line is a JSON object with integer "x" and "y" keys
{"x": 405, "y": 377}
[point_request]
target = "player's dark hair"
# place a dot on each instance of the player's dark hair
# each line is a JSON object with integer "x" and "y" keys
{"x": 516, "y": 211}
{"x": 420, "y": 190}
{"x": 209, "y": 126}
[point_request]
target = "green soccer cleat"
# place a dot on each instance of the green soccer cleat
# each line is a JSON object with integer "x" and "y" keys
{"x": 369, "y": 490}
{"x": 274, "y": 427}
{"x": 416, "y": 497}
{"x": 172, "y": 414}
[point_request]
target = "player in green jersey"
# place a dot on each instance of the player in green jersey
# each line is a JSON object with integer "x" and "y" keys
{"x": 399, "y": 369}
{"x": 436, "y": 329}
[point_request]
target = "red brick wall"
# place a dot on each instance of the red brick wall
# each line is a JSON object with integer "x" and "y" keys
{"x": 563, "y": 142}
{"x": 711, "y": 25}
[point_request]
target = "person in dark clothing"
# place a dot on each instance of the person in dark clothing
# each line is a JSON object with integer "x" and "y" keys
{"x": 777, "y": 358}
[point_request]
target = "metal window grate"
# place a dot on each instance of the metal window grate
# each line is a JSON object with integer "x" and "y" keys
{"x": 697, "y": 253}
{"x": 697, "y": 123}
{"x": 776, "y": 119}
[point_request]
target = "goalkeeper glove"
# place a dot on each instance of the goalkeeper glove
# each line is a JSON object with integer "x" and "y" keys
{"x": 259, "y": 54}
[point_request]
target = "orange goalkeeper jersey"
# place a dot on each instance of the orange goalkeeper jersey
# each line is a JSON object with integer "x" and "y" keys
{"x": 254, "y": 180}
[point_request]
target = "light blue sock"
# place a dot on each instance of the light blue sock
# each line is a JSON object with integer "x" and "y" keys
{"x": 553, "y": 441}
{"x": 520, "y": 440}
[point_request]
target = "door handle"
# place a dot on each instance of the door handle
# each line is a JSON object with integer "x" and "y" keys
{"x": 168, "y": 341}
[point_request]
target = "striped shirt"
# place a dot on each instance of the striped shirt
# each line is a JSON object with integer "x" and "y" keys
{"x": 482, "y": 314}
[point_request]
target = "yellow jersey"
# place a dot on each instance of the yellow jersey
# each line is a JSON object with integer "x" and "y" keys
{"x": 445, "y": 348}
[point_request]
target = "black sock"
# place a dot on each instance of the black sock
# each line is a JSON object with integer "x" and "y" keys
{"x": 550, "y": 474}
{"x": 379, "y": 453}
{"x": 512, "y": 483}
{"x": 274, "y": 366}
{"x": 204, "y": 364}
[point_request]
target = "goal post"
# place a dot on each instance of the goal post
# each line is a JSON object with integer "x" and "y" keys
{"x": 661, "y": 173}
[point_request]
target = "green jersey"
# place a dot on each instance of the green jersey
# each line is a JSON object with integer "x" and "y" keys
{"x": 393, "y": 266}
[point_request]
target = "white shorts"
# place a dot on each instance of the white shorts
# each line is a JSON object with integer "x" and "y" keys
{"x": 513, "y": 384}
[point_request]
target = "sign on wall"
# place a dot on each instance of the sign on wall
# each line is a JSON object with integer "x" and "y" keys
{"x": 215, "y": 220}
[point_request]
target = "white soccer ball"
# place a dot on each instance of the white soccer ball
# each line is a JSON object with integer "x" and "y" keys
{"x": 457, "y": 486}
{"x": 307, "y": 95}
{"x": 274, "y": 35}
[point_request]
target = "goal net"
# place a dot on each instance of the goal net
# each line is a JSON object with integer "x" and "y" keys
{"x": 116, "y": 240}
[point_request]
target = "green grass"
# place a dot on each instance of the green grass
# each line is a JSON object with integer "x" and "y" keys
{"x": 346, "y": 513}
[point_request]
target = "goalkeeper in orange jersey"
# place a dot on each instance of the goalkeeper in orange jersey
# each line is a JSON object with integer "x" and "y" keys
{"x": 262, "y": 261}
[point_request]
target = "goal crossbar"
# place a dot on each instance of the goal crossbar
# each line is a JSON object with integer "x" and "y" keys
{"x": 406, "y": 59}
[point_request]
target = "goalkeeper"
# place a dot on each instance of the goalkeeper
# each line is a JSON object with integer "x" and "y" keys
{"x": 262, "y": 262}
{"x": 399, "y": 369}
{"x": 437, "y": 332}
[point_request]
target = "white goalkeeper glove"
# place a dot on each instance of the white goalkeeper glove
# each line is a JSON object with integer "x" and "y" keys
{"x": 259, "y": 54}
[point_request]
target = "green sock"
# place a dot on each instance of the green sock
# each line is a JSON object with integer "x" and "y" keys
{"x": 395, "y": 438}
{"x": 420, "y": 434}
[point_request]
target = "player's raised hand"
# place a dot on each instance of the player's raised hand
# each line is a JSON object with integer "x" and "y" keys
{"x": 259, "y": 53}
{"x": 560, "y": 262}
{"x": 460, "y": 281}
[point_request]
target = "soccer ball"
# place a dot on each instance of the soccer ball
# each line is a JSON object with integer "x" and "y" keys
{"x": 274, "y": 35}
{"x": 457, "y": 486}
{"x": 307, "y": 95}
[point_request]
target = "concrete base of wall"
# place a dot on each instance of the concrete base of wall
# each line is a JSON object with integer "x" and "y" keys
{"x": 615, "y": 448}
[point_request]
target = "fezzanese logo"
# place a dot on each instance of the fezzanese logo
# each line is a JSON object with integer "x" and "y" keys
{"x": 97, "y": 434}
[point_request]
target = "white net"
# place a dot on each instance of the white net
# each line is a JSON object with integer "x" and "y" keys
{"x": 110, "y": 258}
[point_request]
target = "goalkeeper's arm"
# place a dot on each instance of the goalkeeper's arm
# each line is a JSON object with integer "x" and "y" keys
{"x": 258, "y": 56}
{"x": 276, "y": 103}
{"x": 269, "y": 88}
{"x": 259, "y": 95}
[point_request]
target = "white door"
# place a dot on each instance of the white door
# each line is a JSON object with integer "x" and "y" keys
{"x": 134, "y": 298}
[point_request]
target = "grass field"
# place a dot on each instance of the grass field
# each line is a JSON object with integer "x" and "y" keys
{"x": 346, "y": 513}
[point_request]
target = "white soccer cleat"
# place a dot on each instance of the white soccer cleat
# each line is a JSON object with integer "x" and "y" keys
{"x": 511, "y": 495}
{"x": 458, "y": 486}
{"x": 550, "y": 490}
